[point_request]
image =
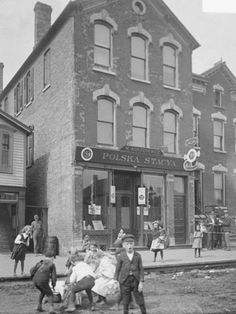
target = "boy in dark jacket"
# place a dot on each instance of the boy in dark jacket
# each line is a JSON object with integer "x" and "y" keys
{"x": 130, "y": 274}
{"x": 46, "y": 270}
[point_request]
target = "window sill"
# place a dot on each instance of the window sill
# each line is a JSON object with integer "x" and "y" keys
{"x": 46, "y": 87}
{"x": 219, "y": 107}
{"x": 18, "y": 113}
{"x": 107, "y": 147}
{"x": 219, "y": 151}
{"x": 28, "y": 104}
{"x": 139, "y": 80}
{"x": 172, "y": 87}
{"x": 103, "y": 70}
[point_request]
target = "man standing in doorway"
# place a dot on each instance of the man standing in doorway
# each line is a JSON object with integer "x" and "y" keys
{"x": 37, "y": 233}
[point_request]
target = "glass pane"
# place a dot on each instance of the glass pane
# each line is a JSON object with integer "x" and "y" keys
{"x": 105, "y": 110}
{"x": 168, "y": 76}
{"x": 218, "y": 181}
{"x": 139, "y": 137}
{"x": 169, "y": 142}
{"x": 155, "y": 187}
{"x": 217, "y": 98}
{"x": 169, "y": 122}
{"x": 179, "y": 185}
{"x": 102, "y": 35}
{"x": 102, "y": 56}
{"x": 218, "y": 128}
{"x": 218, "y": 142}
{"x": 95, "y": 191}
{"x": 138, "y": 47}
{"x": 105, "y": 133}
{"x": 169, "y": 56}
{"x": 140, "y": 116}
{"x": 218, "y": 197}
{"x": 138, "y": 69}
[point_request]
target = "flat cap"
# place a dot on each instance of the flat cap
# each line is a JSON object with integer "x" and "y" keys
{"x": 128, "y": 238}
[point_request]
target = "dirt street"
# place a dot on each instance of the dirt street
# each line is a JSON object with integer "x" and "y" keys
{"x": 195, "y": 292}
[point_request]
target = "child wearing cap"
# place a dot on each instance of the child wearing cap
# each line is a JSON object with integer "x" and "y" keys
{"x": 46, "y": 270}
{"x": 130, "y": 274}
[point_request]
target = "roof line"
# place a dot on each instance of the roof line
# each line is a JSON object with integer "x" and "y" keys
{"x": 15, "y": 122}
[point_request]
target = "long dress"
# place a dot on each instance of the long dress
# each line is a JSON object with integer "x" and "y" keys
{"x": 197, "y": 240}
{"x": 104, "y": 283}
{"x": 20, "y": 244}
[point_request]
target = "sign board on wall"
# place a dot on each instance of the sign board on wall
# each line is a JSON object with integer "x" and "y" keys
{"x": 141, "y": 196}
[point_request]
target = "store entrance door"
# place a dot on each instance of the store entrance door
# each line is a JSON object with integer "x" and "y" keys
{"x": 124, "y": 211}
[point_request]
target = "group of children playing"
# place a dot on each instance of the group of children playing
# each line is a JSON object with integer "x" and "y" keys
{"x": 94, "y": 271}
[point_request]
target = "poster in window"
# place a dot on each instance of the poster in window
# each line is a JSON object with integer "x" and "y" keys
{"x": 97, "y": 225}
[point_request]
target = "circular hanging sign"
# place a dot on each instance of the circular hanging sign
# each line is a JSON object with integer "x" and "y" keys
{"x": 86, "y": 154}
{"x": 192, "y": 155}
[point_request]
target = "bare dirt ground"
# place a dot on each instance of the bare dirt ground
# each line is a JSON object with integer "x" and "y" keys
{"x": 195, "y": 292}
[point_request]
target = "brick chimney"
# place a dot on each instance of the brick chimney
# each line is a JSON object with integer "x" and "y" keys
{"x": 1, "y": 76}
{"x": 42, "y": 20}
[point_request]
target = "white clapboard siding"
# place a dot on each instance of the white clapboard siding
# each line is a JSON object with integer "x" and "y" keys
{"x": 17, "y": 178}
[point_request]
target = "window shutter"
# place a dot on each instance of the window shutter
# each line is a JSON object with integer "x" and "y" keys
{"x": 21, "y": 95}
{"x": 32, "y": 84}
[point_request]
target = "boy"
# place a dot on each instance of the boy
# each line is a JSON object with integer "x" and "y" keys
{"x": 130, "y": 274}
{"x": 45, "y": 270}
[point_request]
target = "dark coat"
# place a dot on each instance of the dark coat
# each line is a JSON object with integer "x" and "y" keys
{"x": 124, "y": 266}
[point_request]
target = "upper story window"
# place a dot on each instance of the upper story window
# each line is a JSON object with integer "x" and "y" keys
{"x": 234, "y": 122}
{"x": 104, "y": 27}
{"x": 219, "y": 172}
{"x": 218, "y": 131}
{"x": 140, "y": 40}
{"x": 139, "y": 126}
{"x": 105, "y": 122}
{"x": 107, "y": 102}
{"x": 102, "y": 46}
{"x": 29, "y": 87}
{"x": 171, "y": 115}
{"x": 6, "y": 105}
{"x": 18, "y": 98}
{"x": 46, "y": 68}
{"x": 142, "y": 108}
{"x": 196, "y": 118}
{"x": 218, "y": 92}
{"x": 6, "y": 150}
{"x": 170, "y": 131}
{"x": 170, "y": 51}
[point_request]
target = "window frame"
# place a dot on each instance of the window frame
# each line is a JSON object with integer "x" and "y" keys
{"x": 175, "y": 114}
{"x": 8, "y": 131}
{"x": 222, "y": 191}
{"x": 30, "y": 150}
{"x": 138, "y": 58}
{"x": 142, "y": 105}
{"x": 221, "y": 136}
{"x": 104, "y": 122}
{"x": 18, "y": 98}
{"x": 109, "y": 48}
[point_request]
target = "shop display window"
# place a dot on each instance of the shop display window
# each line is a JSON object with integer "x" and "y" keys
{"x": 95, "y": 199}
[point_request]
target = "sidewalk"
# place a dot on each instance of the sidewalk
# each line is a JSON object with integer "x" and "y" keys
{"x": 172, "y": 258}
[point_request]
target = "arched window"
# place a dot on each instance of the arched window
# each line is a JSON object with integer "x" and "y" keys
{"x": 169, "y": 65}
{"x": 138, "y": 57}
{"x": 102, "y": 45}
{"x": 140, "y": 40}
{"x": 107, "y": 102}
{"x": 105, "y": 122}
{"x": 104, "y": 28}
{"x": 140, "y": 116}
{"x": 170, "y": 131}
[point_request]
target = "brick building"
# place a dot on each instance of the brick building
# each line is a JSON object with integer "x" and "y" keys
{"x": 108, "y": 88}
{"x": 214, "y": 98}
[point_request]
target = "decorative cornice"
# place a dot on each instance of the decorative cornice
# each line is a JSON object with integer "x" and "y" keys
{"x": 218, "y": 116}
{"x": 141, "y": 99}
{"x": 104, "y": 16}
{"x": 140, "y": 30}
{"x": 170, "y": 40}
{"x": 196, "y": 112}
{"x": 170, "y": 105}
{"x": 106, "y": 91}
{"x": 219, "y": 168}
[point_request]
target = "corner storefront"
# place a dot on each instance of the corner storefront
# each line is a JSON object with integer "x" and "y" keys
{"x": 107, "y": 188}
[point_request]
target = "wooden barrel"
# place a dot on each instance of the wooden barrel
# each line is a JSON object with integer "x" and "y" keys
{"x": 51, "y": 247}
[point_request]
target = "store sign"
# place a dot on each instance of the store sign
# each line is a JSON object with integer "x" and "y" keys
{"x": 190, "y": 163}
{"x": 141, "y": 196}
{"x": 8, "y": 196}
{"x": 112, "y": 194}
{"x": 144, "y": 159}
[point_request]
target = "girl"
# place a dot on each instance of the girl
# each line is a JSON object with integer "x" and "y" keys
{"x": 197, "y": 241}
{"x": 20, "y": 244}
{"x": 158, "y": 240}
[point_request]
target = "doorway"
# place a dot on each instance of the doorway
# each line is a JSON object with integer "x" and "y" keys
{"x": 180, "y": 210}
